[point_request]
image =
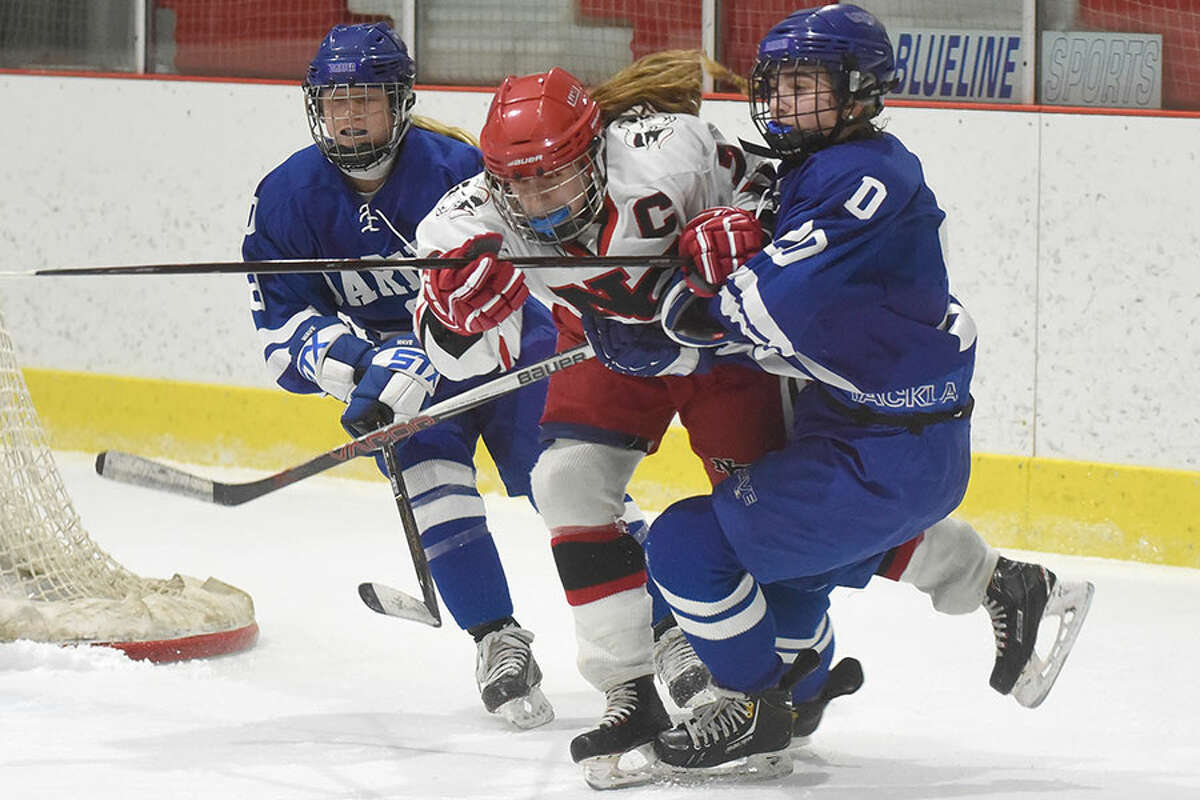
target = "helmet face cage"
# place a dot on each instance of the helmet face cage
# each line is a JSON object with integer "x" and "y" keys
{"x": 556, "y": 207}
{"x": 851, "y": 47}
{"x": 347, "y": 110}
{"x": 779, "y": 83}
{"x": 355, "y": 69}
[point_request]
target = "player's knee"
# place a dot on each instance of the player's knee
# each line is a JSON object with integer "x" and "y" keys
{"x": 555, "y": 480}
{"x": 957, "y": 539}
{"x": 686, "y": 533}
{"x": 581, "y": 483}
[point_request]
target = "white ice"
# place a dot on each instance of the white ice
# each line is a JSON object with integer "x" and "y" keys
{"x": 338, "y": 702}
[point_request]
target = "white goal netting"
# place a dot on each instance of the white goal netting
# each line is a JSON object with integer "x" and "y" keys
{"x": 57, "y": 585}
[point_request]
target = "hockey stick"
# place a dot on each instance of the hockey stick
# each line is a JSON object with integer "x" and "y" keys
{"x": 394, "y": 602}
{"x": 128, "y": 468}
{"x": 345, "y": 265}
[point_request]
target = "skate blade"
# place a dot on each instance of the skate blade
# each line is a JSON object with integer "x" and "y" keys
{"x": 529, "y": 711}
{"x": 1070, "y": 602}
{"x": 760, "y": 766}
{"x": 636, "y": 767}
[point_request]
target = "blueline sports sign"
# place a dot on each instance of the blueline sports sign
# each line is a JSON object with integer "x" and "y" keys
{"x": 1114, "y": 70}
{"x": 961, "y": 65}
{"x": 1086, "y": 68}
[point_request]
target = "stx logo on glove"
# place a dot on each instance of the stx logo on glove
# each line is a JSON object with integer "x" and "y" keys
{"x": 539, "y": 372}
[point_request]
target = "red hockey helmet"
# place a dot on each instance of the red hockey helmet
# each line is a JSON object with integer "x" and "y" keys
{"x": 542, "y": 148}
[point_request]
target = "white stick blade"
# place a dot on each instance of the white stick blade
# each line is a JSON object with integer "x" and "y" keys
{"x": 394, "y": 603}
{"x": 127, "y": 468}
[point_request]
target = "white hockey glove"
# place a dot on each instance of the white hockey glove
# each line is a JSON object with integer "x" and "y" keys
{"x": 328, "y": 355}
{"x": 392, "y": 389}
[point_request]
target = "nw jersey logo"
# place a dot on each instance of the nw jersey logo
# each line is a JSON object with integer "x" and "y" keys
{"x": 609, "y": 295}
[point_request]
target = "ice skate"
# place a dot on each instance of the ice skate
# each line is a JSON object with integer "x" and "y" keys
{"x": 845, "y": 678}
{"x": 509, "y": 678}
{"x": 680, "y": 670}
{"x": 1019, "y": 598}
{"x": 618, "y": 751}
{"x": 737, "y": 734}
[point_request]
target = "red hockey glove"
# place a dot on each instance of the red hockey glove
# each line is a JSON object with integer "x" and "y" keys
{"x": 718, "y": 241}
{"x": 477, "y": 297}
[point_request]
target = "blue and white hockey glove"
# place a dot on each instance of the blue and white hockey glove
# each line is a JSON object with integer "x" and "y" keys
{"x": 642, "y": 350}
{"x": 393, "y": 387}
{"x": 328, "y": 354}
{"x": 691, "y": 320}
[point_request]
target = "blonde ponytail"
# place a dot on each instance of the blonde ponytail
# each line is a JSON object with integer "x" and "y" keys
{"x": 669, "y": 80}
{"x": 452, "y": 131}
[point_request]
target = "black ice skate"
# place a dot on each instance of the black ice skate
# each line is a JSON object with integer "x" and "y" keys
{"x": 845, "y": 678}
{"x": 509, "y": 678}
{"x": 634, "y": 716}
{"x": 680, "y": 669}
{"x": 1019, "y": 598}
{"x": 738, "y": 734}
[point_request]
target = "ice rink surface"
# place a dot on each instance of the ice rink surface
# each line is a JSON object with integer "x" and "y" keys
{"x": 338, "y": 702}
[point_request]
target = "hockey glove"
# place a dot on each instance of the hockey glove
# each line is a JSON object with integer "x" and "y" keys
{"x": 393, "y": 387}
{"x": 690, "y": 320}
{"x": 327, "y": 354}
{"x": 641, "y": 350}
{"x": 476, "y": 297}
{"x": 718, "y": 241}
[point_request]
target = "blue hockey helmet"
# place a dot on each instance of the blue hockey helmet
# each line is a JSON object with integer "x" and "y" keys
{"x": 853, "y": 48}
{"x": 352, "y": 63}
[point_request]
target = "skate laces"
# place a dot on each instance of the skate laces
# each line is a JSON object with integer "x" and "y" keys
{"x": 1012, "y": 586}
{"x": 503, "y": 652}
{"x": 999, "y": 615}
{"x": 673, "y": 654}
{"x": 622, "y": 701}
{"x": 719, "y": 719}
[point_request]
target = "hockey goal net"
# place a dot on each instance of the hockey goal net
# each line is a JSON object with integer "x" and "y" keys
{"x": 57, "y": 586}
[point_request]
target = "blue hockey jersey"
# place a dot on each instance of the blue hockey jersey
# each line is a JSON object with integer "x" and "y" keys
{"x": 853, "y": 292}
{"x": 304, "y": 208}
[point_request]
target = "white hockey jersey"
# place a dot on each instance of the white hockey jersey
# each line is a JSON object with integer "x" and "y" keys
{"x": 663, "y": 170}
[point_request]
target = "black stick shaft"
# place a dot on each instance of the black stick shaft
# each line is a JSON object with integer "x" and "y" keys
{"x": 283, "y": 266}
{"x": 412, "y": 534}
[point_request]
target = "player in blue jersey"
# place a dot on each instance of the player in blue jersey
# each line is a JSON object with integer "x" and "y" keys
{"x": 374, "y": 171}
{"x": 852, "y": 296}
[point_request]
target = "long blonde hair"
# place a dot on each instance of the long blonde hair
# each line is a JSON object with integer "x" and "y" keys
{"x": 453, "y": 131}
{"x": 669, "y": 80}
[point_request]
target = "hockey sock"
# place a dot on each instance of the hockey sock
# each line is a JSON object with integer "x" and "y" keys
{"x": 479, "y": 631}
{"x": 663, "y": 625}
{"x": 717, "y": 603}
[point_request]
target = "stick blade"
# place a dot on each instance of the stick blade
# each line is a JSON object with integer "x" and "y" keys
{"x": 138, "y": 471}
{"x": 395, "y": 603}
